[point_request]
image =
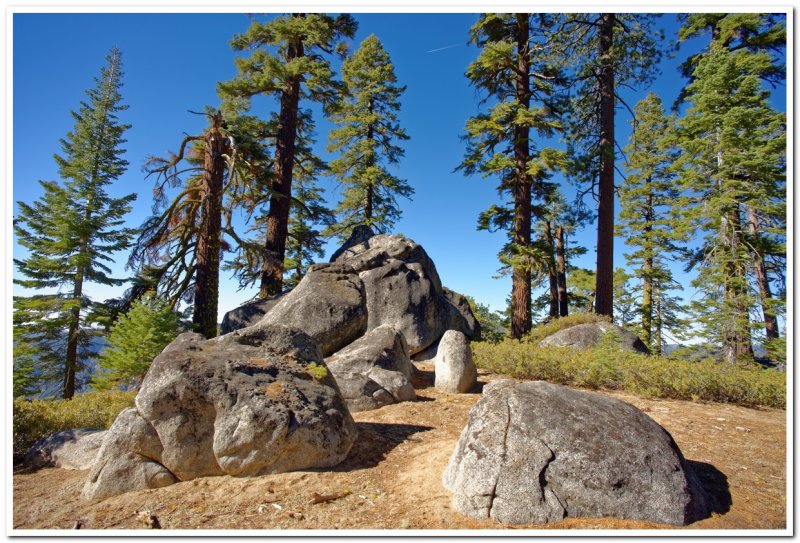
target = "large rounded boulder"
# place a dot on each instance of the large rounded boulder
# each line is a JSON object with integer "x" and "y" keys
{"x": 592, "y": 334}
{"x": 534, "y": 452}
{"x": 256, "y": 401}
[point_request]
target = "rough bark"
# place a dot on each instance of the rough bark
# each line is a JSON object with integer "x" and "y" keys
{"x": 770, "y": 319}
{"x": 561, "y": 273}
{"x": 73, "y": 338}
{"x": 647, "y": 275}
{"x": 206, "y": 292}
{"x": 605, "y": 210}
{"x": 736, "y": 341}
{"x": 658, "y": 325}
{"x": 279, "y": 202}
{"x": 521, "y": 279}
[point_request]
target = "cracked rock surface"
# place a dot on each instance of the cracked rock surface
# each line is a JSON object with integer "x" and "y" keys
{"x": 534, "y": 452}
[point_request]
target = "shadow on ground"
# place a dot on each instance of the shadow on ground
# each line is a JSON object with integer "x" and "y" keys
{"x": 375, "y": 441}
{"x": 716, "y": 484}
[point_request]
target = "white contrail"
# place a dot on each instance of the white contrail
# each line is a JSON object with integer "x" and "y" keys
{"x": 443, "y": 48}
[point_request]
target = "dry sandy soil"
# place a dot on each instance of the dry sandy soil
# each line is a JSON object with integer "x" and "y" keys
{"x": 391, "y": 479}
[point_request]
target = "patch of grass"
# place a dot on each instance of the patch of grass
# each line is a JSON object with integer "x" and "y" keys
{"x": 605, "y": 367}
{"x": 35, "y": 419}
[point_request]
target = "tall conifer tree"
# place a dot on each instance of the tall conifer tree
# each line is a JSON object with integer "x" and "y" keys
{"x": 762, "y": 33}
{"x": 367, "y": 140}
{"x": 521, "y": 99}
{"x": 182, "y": 242}
{"x": 733, "y": 150}
{"x": 649, "y": 198}
{"x": 288, "y": 62}
{"x": 602, "y": 52}
{"x": 71, "y": 234}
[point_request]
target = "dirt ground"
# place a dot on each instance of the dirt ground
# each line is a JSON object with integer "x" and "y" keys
{"x": 392, "y": 477}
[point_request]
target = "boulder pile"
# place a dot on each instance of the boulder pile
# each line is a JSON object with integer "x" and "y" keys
{"x": 262, "y": 398}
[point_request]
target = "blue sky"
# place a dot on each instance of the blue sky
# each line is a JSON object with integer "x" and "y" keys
{"x": 172, "y": 63}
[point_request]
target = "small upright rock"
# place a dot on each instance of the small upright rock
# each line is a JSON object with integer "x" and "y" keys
{"x": 454, "y": 368}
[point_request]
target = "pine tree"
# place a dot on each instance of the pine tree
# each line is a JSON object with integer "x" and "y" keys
{"x": 625, "y": 307}
{"x": 602, "y": 52}
{"x": 135, "y": 340}
{"x": 305, "y": 243}
{"x": 520, "y": 87}
{"x": 733, "y": 145}
{"x": 367, "y": 140}
{"x": 308, "y": 217}
{"x": 288, "y": 61}
{"x": 72, "y": 232}
{"x": 762, "y": 33}
{"x": 649, "y": 198}
{"x": 754, "y": 32}
{"x": 182, "y": 242}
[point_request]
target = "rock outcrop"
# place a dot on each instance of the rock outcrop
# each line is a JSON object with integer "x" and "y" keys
{"x": 455, "y": 370}
{"x": 586, "y": 336}
{"x": 373, "y": 280}
{"x": 256, "y": 401}
{"x": 68, "y": 449}
{"x": 534, "y": 452}
{"x": 360, "y": 235}
{"x": 329, "y": 304}
{"x": 374, "y": 370}
{"x": 248, "y": 314}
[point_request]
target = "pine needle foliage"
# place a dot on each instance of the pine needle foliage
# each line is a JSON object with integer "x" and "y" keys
{"x": 70, "y": 234}
{"x": 733, "y": 158}
{"x": 135, "y": 340}
{"x": 367, "y": 137}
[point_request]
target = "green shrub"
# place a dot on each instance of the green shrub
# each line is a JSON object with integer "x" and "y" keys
{"x": 652, "y": 376}
{"x": 35, "y": 419}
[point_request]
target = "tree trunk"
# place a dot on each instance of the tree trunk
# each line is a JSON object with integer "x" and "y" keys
{"x": 561, "y": 273}
{"x": 521, "y": 278}
{"x": 279, "y": 202}
{"x": 770, "y": 319}
{"x": 604, "y": 289}
{"x": 370, "y": 195}
{"x": 657, "y": 328}
{"x": 736, "y": 341}
{"x": 73, "y": 338}
{"x": 551, "y": 270}
{"x": 647, "y": 272}
{"x": 206, "y": 291}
